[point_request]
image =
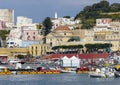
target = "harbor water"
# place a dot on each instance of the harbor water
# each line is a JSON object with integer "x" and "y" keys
{"x": 56, "y": 79}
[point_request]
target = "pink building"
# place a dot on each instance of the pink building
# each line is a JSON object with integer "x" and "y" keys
{"x": 30, "y": 35}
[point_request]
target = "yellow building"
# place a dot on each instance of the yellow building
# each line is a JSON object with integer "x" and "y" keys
{"x": 107, "y": 35}
{"x": 33, "y": 50}
{"x": 84, "y": 34}
{"x": 12, "y": 52}
{"x": 39, "y": 49}
{"x": 59, "y": 35}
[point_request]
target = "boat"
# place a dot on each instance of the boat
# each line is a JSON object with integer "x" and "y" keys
{"x": 109, "y": 72}
{"x": 14, "y": 61}
{"x": 4, "y": 70}
{"x": 117, "y": 74}
{"x": 67, "y": 71}
{"x": 117, "y": 69}
{"x": 104, "y": 72}
{"x": 97, "y": 74}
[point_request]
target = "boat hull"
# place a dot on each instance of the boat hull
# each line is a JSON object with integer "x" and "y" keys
{"x": 97, "y": 76}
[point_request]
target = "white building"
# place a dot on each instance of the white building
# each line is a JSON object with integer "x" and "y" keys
{"x": 23, "y": 36}
{"x": 115, "y": 26}
{"x": 63, "y": 21}
{"x": 102, "y": 24}
{"x": 7, "y": 15}
{"x": 75, "y": 62}
{"x": 23, "y": 21}
{"x": 70, "y": 62}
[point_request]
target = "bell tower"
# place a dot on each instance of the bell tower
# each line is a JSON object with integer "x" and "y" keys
{"x": 56, "y": 15}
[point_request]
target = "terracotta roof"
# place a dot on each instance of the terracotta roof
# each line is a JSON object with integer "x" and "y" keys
{"x": 60, "y": 28}
{"x": 81, "y": 56}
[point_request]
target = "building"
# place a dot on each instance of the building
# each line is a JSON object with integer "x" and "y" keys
{"x": 23, "y": 21}
{"x": 23, "y": 37}
{"x": 60, "y": 35}
{"x": 35, "y": 50}
{"x": 64, "y": 21}
{"x": 73, "y": 62}
{"x": 102, "y": 24}
{"x": 7, "y": 15}
{"x": 12, "y": 52}
{"x": 29, "y": 36}
{"x": 3, "y": 25}
{"x": 84, "y": 34}
{"x": 39, "y": 49}
{"x": 115, "y": 26}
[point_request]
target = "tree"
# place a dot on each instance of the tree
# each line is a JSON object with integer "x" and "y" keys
{"x": 3, "y": 35}
{"x": 47, "y": 26}
{"x": 66, "y": 17}
{"x": 90, "y": 13}
{"x": 68, "y": 48}
{"x": 38, "y": 26}
{"x": 20, "y": 56}
{"x": 74, "y": 38}
{"x": 115, "y": 7}
{"x": 95, "y": 47}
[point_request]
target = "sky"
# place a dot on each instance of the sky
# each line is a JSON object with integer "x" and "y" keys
{"x": 38, "y": 10}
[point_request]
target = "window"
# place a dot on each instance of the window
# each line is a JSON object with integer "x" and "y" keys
{"x": 28, "y": 38}
{"x": 33, "y": 37}
{"x": 95, "y": 37}
{"x": 107, "y": 37}
{"x": 34, "y": 33}
{"x": 32, "y": 47}
{"x": 11, "y": 42}
{"x": 50, "y": 44}
{"x": 36, "y": 50}
{"x": 64, "y": 33}
{"x": 27, "y": 33}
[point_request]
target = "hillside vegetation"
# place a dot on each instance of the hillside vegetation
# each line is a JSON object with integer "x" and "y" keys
{"x": 103, "y": 9}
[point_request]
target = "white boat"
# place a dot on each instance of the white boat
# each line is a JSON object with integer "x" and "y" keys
{"x": 2, "y": 68}
{"x": 97, "y": 74}
{"x": 104, "y": 72}
{"x": 67, "y": 71}
{"x": 109, "y": 72}
{"x": 14, "y": 61}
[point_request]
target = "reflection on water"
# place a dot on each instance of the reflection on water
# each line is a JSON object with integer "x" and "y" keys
{"x": 58, "y": 79}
